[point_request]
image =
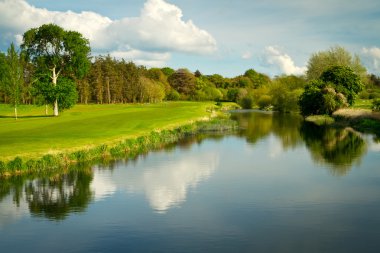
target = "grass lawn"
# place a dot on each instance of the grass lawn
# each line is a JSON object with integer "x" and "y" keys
{"x": 363, "y": 104}
{"x": 34, "y": 135}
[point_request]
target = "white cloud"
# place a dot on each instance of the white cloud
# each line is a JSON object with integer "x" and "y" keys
{"x": 246, "y": 55}
{"x": 282, "y": 61}
{"x": 372, "y": 58}
{"x": 153, "y": 59}
{"x": 160, "y": 29}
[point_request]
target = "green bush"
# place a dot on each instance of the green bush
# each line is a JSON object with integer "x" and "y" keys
{"x": 376, "y": 105}
{"x": 246, "y": 103}
{"x": 2, "y": 166}
{"x": 264, "y": 101}
{"x": 15, "y": 164}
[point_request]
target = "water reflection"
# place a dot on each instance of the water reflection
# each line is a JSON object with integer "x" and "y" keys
{"x": 55, "y": 197}
{"x": 51, "y": 196}
{"x": 258, "y": 125}
{"x": 165, "y": 179}
{"x": 339, "y": 148}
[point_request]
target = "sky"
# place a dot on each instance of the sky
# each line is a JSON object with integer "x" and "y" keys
{"x": 215, "y": 36}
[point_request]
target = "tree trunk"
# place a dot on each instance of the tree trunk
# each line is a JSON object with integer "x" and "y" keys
{"x": 16, "y": 111}
{"x": 55, "y": 77}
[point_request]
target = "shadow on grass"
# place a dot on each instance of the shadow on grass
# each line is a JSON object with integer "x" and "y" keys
{"x": 26, "y": 117}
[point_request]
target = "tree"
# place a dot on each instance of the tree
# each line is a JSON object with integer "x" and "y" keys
{"x": 336, "y": 56}
{"x": 183, "y": 81}
{"x": 337, "y": 88}
{"x": 345, "y": 81}
{"x": 58, "y": 53}
{"x": 3, "y": 71}
{"x": 14, "y": 77}
{"x": 257, "y": 79}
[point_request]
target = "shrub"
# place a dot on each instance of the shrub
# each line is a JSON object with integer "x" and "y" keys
{"x": 15, "y": 164}
{"x": 264, "y": 101}
{"x": 376, "y": 105}
{"x": 246, "y": 103}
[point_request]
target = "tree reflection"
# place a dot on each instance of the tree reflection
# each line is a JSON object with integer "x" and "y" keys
{"x": 56, "y": 196}
{"x": 258, "y": 125}
{"x": 340, "y": 148}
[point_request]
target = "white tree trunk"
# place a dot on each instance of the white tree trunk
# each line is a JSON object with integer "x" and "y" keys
{"x": 16, "y": 112}
{"x": 55, "y": 77}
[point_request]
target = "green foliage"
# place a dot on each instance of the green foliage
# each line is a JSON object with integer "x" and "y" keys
{"x": 335, "y": 56}
{"x": 337, "y": 87}
{"x": 257, "y": 79}
{"x": 15, "y": 165}
{"x": 65, "y": 92}
{"x": 167, "y": 71}
{"x": 376, "y": 105}
{"x": 50, "y": 46}
{"x": 12, "y": 77}
{"x": 344, "y": 80}
{"x": 264, "y": 102}
{"x": 60, "y": 53}
{"x": 232, "y": 95}
{"x": 285, "y": 92}
{"x": 183, "y": 81}
{"x": 246, "y": 103}
{"x": 173, "y": 95}
{"x": 311, "y": 98}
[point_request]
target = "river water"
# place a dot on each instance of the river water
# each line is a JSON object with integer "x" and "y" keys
{"x": 279, "y": 185}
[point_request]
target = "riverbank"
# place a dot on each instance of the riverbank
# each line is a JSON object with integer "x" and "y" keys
{"x": 92, "y": 132}
{"x": 363, "y": 120}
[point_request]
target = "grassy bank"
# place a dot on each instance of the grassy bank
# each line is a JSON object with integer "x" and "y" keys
{"x": 86, "y": 126}
{"x": 91, "y": 132}
{"x": 363, "y": 120}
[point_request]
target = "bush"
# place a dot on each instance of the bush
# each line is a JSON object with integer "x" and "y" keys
{"x": 246, "y": 103}
{"x": 173, "y": 95}
{"x": 376, "y": 105}
{"x": 15, "y": 164}
{"x": 264, "y": 101}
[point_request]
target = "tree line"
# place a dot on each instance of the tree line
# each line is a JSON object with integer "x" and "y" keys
{"x": 54, "y": 67}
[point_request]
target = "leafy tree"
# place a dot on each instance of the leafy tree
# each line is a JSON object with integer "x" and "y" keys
{"x": 337, "y": 88}
{"x": 57, "y": 52}
{"x": 257, "y": 79}
{"x": 285, "y": 92}
{"x": 197, "y": 73}
{"x": 335, "y": 56}
{"x": 14, "y": 77}
{"x": 345, "y": 81}
{"x": 311, "y": 99}
{"x": 167, "y": 71}
{"x": 183, "y": 81}
{"x": 3, "y": 71}
{"x": 264, "y": 102}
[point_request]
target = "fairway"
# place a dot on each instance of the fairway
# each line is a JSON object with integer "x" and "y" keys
{"x": 34, "y": 135}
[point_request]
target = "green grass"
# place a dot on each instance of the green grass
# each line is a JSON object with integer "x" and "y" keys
{"x": 320, "y": 120}
{"x": 363, "y": 104}
{"x": 86, "y": 126}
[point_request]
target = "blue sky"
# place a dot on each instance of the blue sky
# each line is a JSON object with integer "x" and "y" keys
{"x": 226, "y": 37}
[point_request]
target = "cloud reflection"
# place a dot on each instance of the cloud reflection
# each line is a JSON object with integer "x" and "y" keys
{"x": 165, "y": 180}
{"x": 11, "y": 212}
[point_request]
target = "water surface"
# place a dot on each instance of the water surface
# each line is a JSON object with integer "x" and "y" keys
{"x": 279, "y": 185}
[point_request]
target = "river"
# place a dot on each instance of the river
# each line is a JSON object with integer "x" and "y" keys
{"x": 278, "y": 185}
